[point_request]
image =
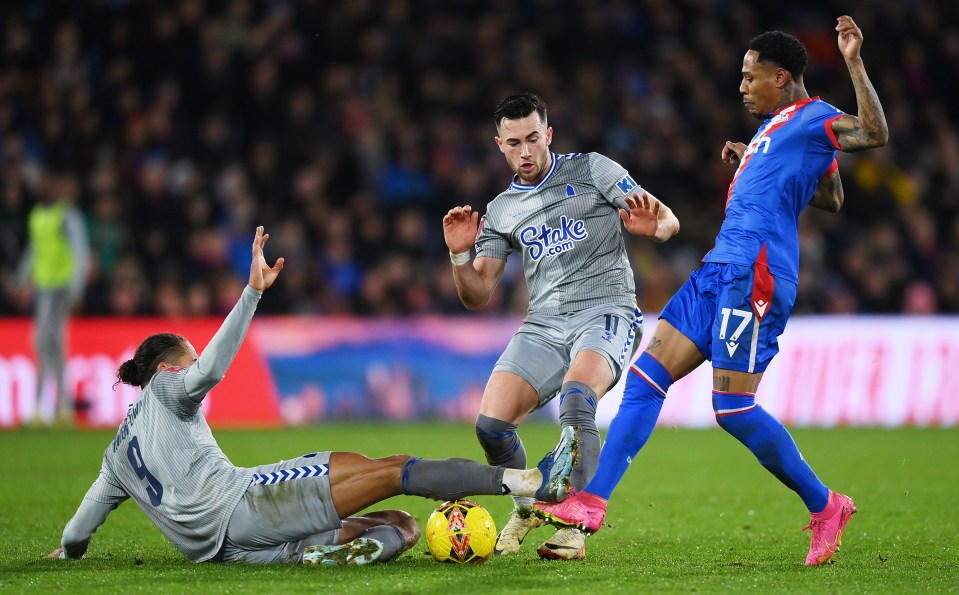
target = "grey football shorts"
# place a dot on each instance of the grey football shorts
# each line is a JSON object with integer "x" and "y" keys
{"x": 287, "y": 507}
{"x": 541, "y": 350}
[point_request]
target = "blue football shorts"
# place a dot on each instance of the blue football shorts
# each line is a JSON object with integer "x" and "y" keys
{"x": 733, "y": 313}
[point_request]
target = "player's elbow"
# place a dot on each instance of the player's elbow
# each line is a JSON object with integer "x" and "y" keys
{"x": 836, "y": 203}
{"x": 837, "y": 199}
{"x": 832, "y": 207}
{"x": 880, "y": 136}
{"x": 475, "y": 298}
{"x": 883, "y": 137}
{"x": 473, "y": 304}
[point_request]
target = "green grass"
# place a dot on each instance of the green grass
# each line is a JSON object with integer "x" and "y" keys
{"x": 695, "y": 513}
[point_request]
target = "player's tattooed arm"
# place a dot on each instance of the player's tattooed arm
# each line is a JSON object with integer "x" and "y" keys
{"x": 869, "y": 128}
{"x": 829, "y": 195}
{"x": 867, "y": 131}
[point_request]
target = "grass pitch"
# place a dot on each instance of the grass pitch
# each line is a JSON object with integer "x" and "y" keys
{"x": 694, "y": 513}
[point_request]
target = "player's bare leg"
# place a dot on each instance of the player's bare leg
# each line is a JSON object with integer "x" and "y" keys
{"x": 357, "y": 481}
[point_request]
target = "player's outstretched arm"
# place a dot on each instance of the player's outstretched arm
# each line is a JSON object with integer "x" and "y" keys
{"x": 869, "y": 129}
{"x": 477, "y": 279}
{"x": 262, "y": 275}
{"x": 211, "y": 366}
{"x": 828, "y": 195}
{"x": 649, "y": 217}
{"x": 80, "y": 529}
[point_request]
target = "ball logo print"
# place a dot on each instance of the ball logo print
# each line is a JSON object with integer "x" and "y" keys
{"x": 460, "y": 532}
{"x": 458, "y": 539}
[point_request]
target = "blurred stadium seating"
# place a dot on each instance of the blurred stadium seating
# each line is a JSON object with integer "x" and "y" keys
{"x": 349, "y": 128}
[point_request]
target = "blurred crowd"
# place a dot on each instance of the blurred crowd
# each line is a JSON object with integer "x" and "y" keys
{"x": 349, "y": 129}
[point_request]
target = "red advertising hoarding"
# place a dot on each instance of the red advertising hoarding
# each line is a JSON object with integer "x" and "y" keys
{"x": 245, "y": 398}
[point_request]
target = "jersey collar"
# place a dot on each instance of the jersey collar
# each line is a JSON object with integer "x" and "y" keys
{"x": 514, "y": 185}
{"x": 799, "y": 103}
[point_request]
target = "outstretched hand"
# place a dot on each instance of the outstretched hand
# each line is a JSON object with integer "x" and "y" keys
{"x": 459, "y": 228}
{"x": 262, "y": 275}
{"x": 642, "y": 218}
{"x": 850, "y": 38}
{"x": 55, "y": 554}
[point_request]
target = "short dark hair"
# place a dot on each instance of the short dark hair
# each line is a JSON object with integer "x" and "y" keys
{"x": 154, "y": 349}
{"x": 516, "y": 107}
{"x": 782, "y": 49}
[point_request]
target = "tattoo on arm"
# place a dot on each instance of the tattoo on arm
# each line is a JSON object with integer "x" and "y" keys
{"x": 853, "y": 136}
{"x": 869, "y": 129}
{"x": 829, "y": 195}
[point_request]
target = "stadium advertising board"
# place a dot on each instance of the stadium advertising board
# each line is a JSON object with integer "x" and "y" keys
{"x": 97, "y": 347}
{"x": 860, "y": 371}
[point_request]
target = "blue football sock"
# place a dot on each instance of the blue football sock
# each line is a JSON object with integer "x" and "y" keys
{"x": 766, "y": 438}
{"x": 646, "y": 386}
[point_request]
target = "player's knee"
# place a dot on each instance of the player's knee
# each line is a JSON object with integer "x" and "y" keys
{"x": 724, "y": 422}
{"x": 498, "y": 439}
{"x": 732, "y": 411}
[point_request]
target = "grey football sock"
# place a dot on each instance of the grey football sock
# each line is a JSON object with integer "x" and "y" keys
{"x": 390, "y": 536}
{"x": 577, "y": 408}
{"x": 450, "y": 479}
{"x": 503, "y": 447}
{"x": 500, "y": 442}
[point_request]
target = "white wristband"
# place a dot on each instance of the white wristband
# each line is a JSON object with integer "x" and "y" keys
{"x": 460, "y": 259}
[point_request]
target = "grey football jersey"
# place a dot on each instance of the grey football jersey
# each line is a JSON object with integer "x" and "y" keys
{"x": 164, "y": 455}
{"x": 569, "y": 231}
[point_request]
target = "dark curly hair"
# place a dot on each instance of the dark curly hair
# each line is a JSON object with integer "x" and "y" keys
{"x": 781, "y": 49}
{"x": 516, "y": 107}
{"x": 153, "y": 350}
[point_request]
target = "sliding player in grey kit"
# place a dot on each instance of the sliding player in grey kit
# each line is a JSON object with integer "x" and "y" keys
{"x": 165, "y": 458}
{"x": 564, "y": 214}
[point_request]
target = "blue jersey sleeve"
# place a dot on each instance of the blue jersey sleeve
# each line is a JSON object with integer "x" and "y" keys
{"x": 817, "y": 121}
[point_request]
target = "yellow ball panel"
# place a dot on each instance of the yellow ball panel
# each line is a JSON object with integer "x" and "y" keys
{"x": 460, "y": 532}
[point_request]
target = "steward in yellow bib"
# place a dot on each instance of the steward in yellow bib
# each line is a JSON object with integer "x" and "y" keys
{"x": 56, "y": 263}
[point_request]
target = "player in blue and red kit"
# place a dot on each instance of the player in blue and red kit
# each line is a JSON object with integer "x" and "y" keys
{"x": 733, "y": 309}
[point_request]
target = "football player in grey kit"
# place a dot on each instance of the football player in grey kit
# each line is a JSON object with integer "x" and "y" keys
{"x": 563, "y": 213}
{"x": 165, "y": 458}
